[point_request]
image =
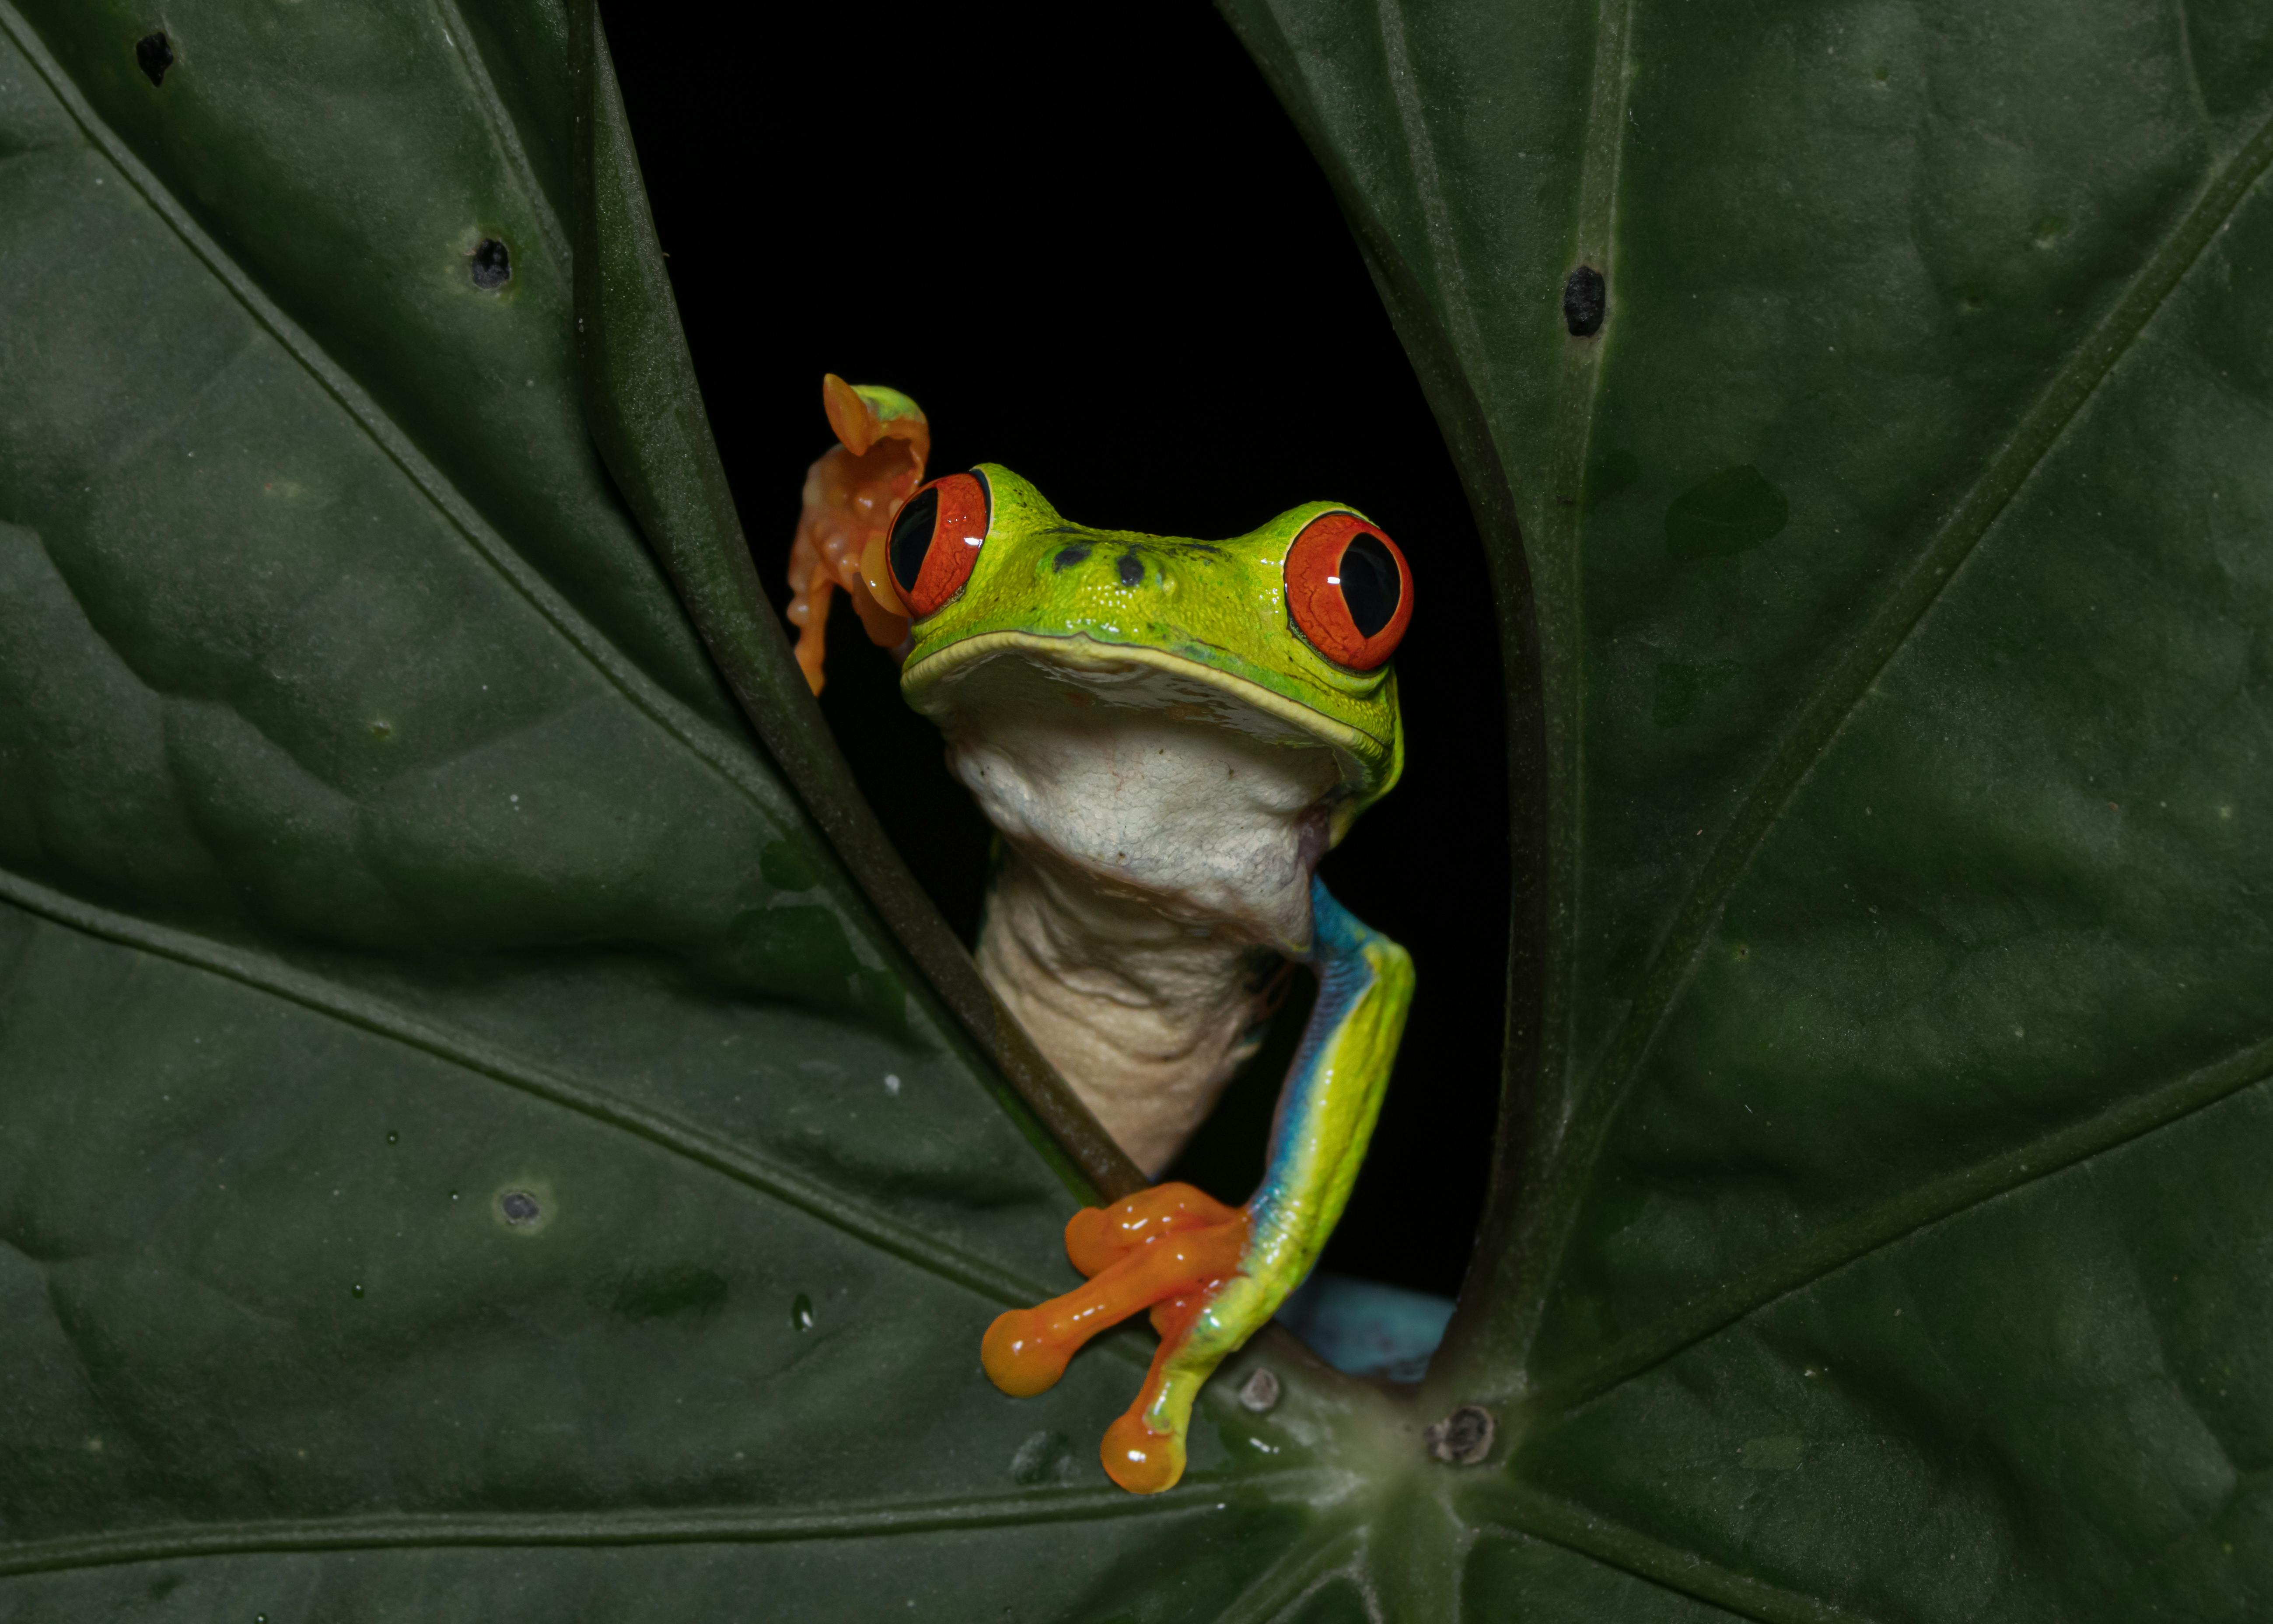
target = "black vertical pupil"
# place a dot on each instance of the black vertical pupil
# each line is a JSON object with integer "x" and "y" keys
{"x": 1370, "y": 583}
{"x": 911, "y": 538}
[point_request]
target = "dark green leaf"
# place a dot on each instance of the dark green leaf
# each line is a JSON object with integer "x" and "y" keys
{"x": 468, "y": 1145}
{"x": 1879, "y": 1238}
{"x": 447, "y": 987}
{"x": 1723, "y": 515}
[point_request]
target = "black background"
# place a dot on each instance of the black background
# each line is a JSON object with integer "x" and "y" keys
{"x": 1097, "y": 252}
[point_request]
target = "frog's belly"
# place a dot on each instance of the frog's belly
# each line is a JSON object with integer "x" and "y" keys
{"x": 1141, "y": 1014}
{"x": 1159, "y": 864}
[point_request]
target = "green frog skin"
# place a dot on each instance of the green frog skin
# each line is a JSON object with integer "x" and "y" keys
{"x": 1167, "y": 736}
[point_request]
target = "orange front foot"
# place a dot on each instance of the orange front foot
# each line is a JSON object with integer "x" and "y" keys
{"x": 1170, "y": 1249}
{"x": 851, "y": 494}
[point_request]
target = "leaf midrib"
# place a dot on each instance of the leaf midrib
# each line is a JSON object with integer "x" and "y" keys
{"x": 1553, "y": 1212}
{"x": 709, "y": 1525}
{"x": 367, "y": 1011}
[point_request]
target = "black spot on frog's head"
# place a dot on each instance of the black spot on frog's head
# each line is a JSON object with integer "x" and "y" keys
{"x": 154, "y": 55}
{"x": 1132, "y": 570}
{"x": 1067, "y": 557}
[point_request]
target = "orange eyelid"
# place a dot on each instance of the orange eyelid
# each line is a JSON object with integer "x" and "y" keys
{"x": 1314, "y": 592}
{"x": 875, "y": 569}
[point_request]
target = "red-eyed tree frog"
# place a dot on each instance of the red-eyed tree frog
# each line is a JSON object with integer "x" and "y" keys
{"x": 1167, "y": 736}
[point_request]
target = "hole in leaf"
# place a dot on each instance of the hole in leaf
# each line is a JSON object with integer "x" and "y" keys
{"x": 492, "y": 265}
{"x": 154, "y": 55}
{"x": 1586, "y": 296}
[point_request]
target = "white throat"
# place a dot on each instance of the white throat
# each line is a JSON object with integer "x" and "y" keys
{"x": 1159, "y": 839}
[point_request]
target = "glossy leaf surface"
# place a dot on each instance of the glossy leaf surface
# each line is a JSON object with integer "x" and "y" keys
{"x": 1878, "y": 1232}
{"x": 486, "y": 1131}
{"x": 467, "y": 1147}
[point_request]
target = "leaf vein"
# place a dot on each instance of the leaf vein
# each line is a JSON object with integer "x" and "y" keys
{"x": 507, "y": 135}
{"x": 1877, "y": 1227}
{"x": 1803, "y": 744}
{"x": 1558, "y": 1521}
{"x": 707, "y": 1526}
{"x": 724, "y": 756}
{"x": 370, "y": 1013}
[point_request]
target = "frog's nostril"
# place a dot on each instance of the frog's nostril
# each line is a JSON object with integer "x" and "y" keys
{"x": 1067, "y": 557}
{"x": 1132, "y": 569}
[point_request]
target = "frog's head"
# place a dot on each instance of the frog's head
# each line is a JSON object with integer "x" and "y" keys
{"x": 1285, "y": 632}
{"x": 1196, "y": 722}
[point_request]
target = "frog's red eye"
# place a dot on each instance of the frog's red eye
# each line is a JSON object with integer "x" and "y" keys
{"x": 935, "y": 540}
{"x": 1349, "y": 591}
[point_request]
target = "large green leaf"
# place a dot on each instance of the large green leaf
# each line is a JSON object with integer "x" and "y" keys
{"x": 1881, "y": 1225}
{"x": 406, "y": 803}
{"x": 466, "y": 1142}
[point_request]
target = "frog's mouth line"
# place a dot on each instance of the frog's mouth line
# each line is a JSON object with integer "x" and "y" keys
{"x": 1080, "y": 652}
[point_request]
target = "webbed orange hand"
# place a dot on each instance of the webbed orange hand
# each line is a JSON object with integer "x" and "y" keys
{"x": 1170, "y": 1249}
{"x": 851, "y": 494}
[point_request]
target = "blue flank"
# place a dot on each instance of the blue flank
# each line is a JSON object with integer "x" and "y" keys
{"x": 1338, "y": 939}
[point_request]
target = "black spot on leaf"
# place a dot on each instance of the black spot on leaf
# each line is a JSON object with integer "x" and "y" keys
{"x": 492, "y": 265}
{"x": 154, "y": 55}
{"x": 518, "y": 1207}
{"x": 1585, "y": 297}
{"x": 1464, "y": 1437}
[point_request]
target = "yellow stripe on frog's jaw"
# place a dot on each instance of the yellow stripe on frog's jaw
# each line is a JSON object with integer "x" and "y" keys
{"x": 1370, "y": 765}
